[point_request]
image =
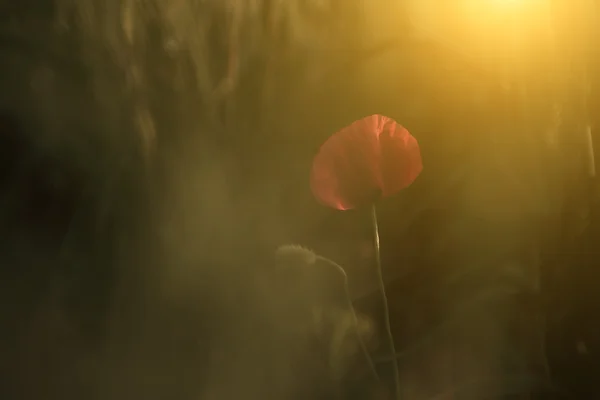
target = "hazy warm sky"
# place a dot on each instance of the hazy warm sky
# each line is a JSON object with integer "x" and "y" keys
{"x": 485, "y": 29}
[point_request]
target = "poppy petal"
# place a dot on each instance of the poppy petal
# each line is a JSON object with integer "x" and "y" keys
{"x": 371, "y": 158}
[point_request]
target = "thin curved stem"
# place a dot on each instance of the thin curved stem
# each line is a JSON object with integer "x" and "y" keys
{"x": 350, "y": 305}
{"x": 386, "y": 309}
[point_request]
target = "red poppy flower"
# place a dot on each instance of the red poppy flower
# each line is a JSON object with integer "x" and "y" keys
{"x": 373, "y": 157}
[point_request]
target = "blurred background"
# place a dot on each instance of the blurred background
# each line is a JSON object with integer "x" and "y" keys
{"x": 205, "y": 118}
{"x": 502, "y": 96}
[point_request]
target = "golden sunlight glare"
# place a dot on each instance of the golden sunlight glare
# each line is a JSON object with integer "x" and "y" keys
{"x": 497, "y": 33}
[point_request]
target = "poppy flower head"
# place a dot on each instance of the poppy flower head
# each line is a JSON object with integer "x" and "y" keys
{"x": 371, "y": 158}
